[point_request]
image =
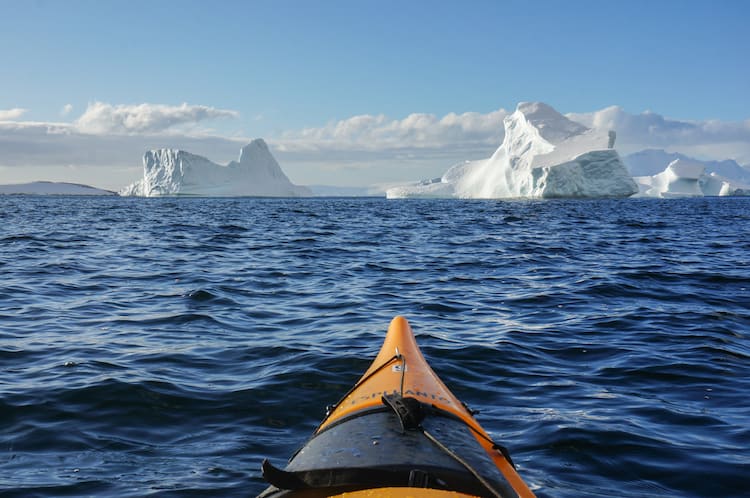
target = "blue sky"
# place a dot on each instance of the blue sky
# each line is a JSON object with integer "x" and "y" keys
{"x": 280, "y": 67}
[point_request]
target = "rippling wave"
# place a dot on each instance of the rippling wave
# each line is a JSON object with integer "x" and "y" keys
{"x": 166, "y": 346}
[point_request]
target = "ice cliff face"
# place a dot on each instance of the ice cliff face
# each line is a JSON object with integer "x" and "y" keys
{"x": 544, "y": 154}
{"x": 687, "y": 178}
{"x": 176, "y": 172}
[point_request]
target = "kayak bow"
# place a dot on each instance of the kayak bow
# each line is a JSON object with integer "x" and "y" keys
{"x": 398, "y": 432}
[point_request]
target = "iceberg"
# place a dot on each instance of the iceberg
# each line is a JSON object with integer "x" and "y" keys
{"x": 177, "y": 172}
{"x": 543, "y": 155}
{"x": 688, "y": 178}
{"x": 713, "y": 184}
{"x": 651, "y": 162}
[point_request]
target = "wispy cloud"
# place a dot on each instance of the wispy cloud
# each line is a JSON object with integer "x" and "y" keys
{"x": 66, "y": 109}
{"x": 11, "y": 114}
{"x": 712, "y": 138}
{"x": 32, "y": 144}
{"x": 102, "y": 118}
{"x": 415, "y": 131}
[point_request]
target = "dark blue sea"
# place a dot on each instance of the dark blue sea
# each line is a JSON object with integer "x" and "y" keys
{"x": 164, "y": 347}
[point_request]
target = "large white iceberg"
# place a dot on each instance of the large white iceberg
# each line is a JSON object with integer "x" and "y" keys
{"x": 177, "y": 172}
{"x": 688, "y": 178}
{"x": 543, "y": 154}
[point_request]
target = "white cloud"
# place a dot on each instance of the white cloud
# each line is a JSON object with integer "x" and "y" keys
{"x": 11, "y": 114}
{"x": 67, "y": 109}
{"x": 414, "y": 132}
{"x": 712, "y": 139}
{"x": 102, "y": 118}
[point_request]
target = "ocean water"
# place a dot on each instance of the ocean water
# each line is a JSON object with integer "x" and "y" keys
{"x": 164, "y": 347}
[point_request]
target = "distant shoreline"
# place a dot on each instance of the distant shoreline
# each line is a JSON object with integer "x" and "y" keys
{"x": 53, "y": 188}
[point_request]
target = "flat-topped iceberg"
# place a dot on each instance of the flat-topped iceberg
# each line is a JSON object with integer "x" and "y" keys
{"x": 177, "y": 172}
{"x": 688, "y": 178}
{"x": 544, "y": 154}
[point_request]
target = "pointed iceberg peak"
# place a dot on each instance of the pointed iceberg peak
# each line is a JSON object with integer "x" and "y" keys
{"x": 176, "y": 172}
{"x": 253, "y": 150}
{"x": 552, "y": 126}
{"x": 536, "y": 108}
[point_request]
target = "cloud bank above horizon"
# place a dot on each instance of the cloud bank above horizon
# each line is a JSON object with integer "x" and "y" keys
{"x": 417, "y": 131}
{"x": 101, "y": 118}
{"x": 107, "y": 138}
{"x": 11, "y": 114}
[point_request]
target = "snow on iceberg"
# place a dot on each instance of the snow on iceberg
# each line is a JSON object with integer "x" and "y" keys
{"x": 177, "y": 172}
{"x": 688, "y": 178}
{"x": 543, "y": 154}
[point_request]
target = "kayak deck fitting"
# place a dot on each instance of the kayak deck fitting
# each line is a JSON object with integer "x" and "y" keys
{"x": 398, "y": 432}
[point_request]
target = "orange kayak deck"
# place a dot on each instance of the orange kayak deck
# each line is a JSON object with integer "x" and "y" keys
{"x": 398, "y": 375}
{"x": 399, "y": 367}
